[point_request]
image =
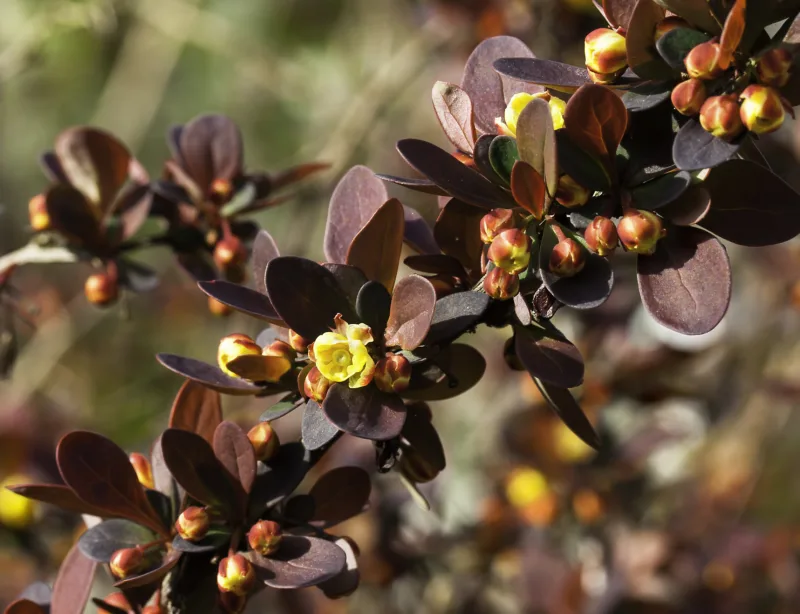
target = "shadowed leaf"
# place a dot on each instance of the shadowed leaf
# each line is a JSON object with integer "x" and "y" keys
{"x": 152, "y": 577}
{"x": 548, "y": 356}
{"x": 528, "y": 188}
{"x": 676, "y": 44}
{"x": 426, "y": 447}
{"x": 373, "y": 304}
{"x": 732, "y": 33}
{"x": 299, "y": 562}
{"x": 350, "y": 279}
{"x": 595, "y": 120}
{"x": 436, "y": 264}
{"x": 647, "y": 96}
{"x": 417, "y": 233}
{"x": 411, "y": 312}
{"x": 365, "y": 412}
{"x": 696, "y": 12}
{"x": 695, "y": 149}
{"x": 454, "y": 371}
{"x": 234, "y": 450}
{"x": 426, "y": 186}
{"x": 690, "y": 208}
{"x": 73, "y": 583}
{"x": 214, "y": 540}
{"x": 564, "y": 404}
{"x": 454, "y": 112}
{"x": 618, "y": 12}
{"x": 455, "y": 314}
{"x": 101, "y": 541}
{"x": 339, "y": 495}
{"x": 316, "y": 430}
{"x": 71, "y": 215}
{"x": 552, "y": 75}
{"x": 580, "y": 165}
{"x": 686, "y": 283}
{"x": 639, "y": 42}
{"x": 241, "y": 299}
{"x": 377, "y": 246}
{"x": 347, "y": 581}
{"x": 502, "y": 156}
{"x": 661, "y": 191}
{"x": 282, "y": 475}
{"x": 280, "y": 409}
{"x": 537, "y": 142}
{"x": 211, "y": 147}
{"x": 208, "y": 375}
{"x": 457, "y": 231}
{"x": 196, "y": 408}
{"x": 481, "y": 158}
{"x": 264, "y": 250}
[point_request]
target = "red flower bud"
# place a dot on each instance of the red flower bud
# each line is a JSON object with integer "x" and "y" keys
{"x": 702, "y": 62}
{"x": 229, "y": 252}
{"x": 281, "y": 349}
{"x": 128, "y": 562}
{"x": 233, "y": 346}
{"x": 761, "y": 109}
{"x": 601, "y": 236}
{"x": 392, "y": 373}
{"x": 316, "y": 385}
{"x": 143, "y": 469}
{"x": 511, "y": 251}
{"x": 639, "y": 231}
{"x": 218, "y": 309}
{"x": 235, "y": 575}
{"x": 605, "y": 51}
{"x": 221, "y": 190}
{"x": 570, "y": 193}
{"x": 567, "y": 258}
{"x": 37, "y": 213}
{"x": 688, "y": 96}
{"x": 265, "y": 537}
{"x": 667, "y": 25}
{"x": 101, "y": 289}
{"x": 495, "y": 222}
{"x": 265, "y": 441}
{"x": 116, "y": 599}
{"x": 501, "y": 285}
{"x": 298, "y": 343}
{"x": 773, "y": 67}
{"x": 720, "y": 116}
{"x": 193, "y": 523}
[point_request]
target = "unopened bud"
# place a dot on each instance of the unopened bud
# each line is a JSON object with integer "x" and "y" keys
{"x": 668, "y": 25}
{"x": 688, "y": 96}
{"x": 605, "y": 51}
{"x": 605, "y": 78}
{"x": 761, "y": 110}
{"x": 101, "y": 289}
{"x": 392, "y": 373}
{"x": 281, "y": 349}
{"x": 232, "y": 347}
{"x": 143, "y": 469}
{"x": 37, "y": 213}
{"x": 217, "y": 308}
{"x": 265, "y": 537}
{"x": 500, "y": 284}
{"x": 221, "y": 190}
{"x": 774, "y": 66}
{"x": 720, "y": 115}
{"x": 128, "y": 562}
{"x": 265, "y": 441}
{"x": 567, "y": 258}
{"x": 511, "y": 251}
{"x": 601, "y": 236}
{"x": 316, "y": 385}
{"x": 702, "y": 62}
{"x": 298, "y": 342}
{"x": 639, "y": 231}
{"x": 570, "y": 193}
{"x": 193, "y": 523}
{"x": 117, "y": 600}
{"x": 495, "y": 222}
{"x": 229, "y": 252}
{"x": 235, "y": 575}
{"x": 588, "y": 506}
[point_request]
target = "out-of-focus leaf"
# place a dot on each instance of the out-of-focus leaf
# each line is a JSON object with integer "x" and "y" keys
{"x": 732, "y": 33}
{"x": 316, "y": 430}
{"x": 24, "y": 606}
{"x": 548, "y": 356}
{"x": 595, "y": 120}
{"x": 365, "y": 412}
{"x": 234, "y": 450}
{"x": 455, "y": 314}
{"x": 264, "y": 250}
{"x": 241, "y": 299}
{"x": 294, "y": 174}
{"x": 690, "y": 208}
{"x": 686, "y": 283}
{"x": 211, "y": 147}
{"x": 696, "y": 12}
{"x": 537, "y": 142}
{"x": 60, "y": 496}
{"x": 339, "y": 495}
{"x": 299, "y": 562}
{"x": 209, "y": 375}
{"x": 661, "y": 191}
{"x": 564, "y": 404}
{"x": 73, "y": 583}
{"x": 457, "y": 231}
{"x": 101, "y": 541}
{"x": 528, "y": 188}
{"x": 411, "y": 312}
{"x": 676, "y": 44}
{"x": 694, "y": 148}
{"x": 71, "y": 215}
{"x": 377, "y": 246}
{"x": 454, "y": 111}
{"x": 197, "y": 409}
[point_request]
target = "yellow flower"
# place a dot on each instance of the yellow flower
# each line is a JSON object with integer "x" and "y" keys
{"x": 519, "y": 101}
{"x": 342, "y": 355}
{"x": 16, "y": 511}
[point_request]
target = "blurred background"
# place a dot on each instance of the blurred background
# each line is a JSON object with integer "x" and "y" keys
{"x": 692, "y": 505}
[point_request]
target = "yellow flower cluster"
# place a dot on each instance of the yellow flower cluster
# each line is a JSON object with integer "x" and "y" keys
{"x": 342, "y": 355}
{"x": 519, "y": 101}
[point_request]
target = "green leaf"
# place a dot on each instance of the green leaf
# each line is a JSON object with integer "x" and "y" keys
{"x": 502, "y": 156}
{"x": 676, "y": 44}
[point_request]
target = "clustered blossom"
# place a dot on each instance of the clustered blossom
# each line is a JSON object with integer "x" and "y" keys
{"x": 342, "y": 354}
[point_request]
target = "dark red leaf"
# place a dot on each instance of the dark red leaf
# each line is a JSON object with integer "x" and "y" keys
{"x": 241, "y": 299}
{"x": 455, "y": 314}
{"x": 73, "y": 583}
{"x": 694, "y": 148}
{"x": 24, "y": 606}
{"x": 426, "y": 186}
{"x": 732, "y": 33}
{"x": 209, "y": 375}
{"x": 235, "y": 452}
{"x": 686, "y": 283}
{"x": 284, "y": 473}
{"x": 619, "y": 12}
{"x": 316, "y": 430}
{"x": 436, "y": 264}
{"x": 564, "y": 404}
{"x": 358, "y": 195}
{"x": 296, "y": 173}
{"x": 211, "y": 147}
{"x": 71, "y": 215}
{"x": 548, "y": 356}
{"x": 347, "y": 581}
{"x": 411, "y": 312}
{"x": 696, "y": 12}
{"x": 550, "y": 74}
{"x": 349, "y": 278}
{"x": 264, "y": 250}
{"x": 426, "y": 447}
{"x": 690, "y": 208}
{"x": 373, "y": 304}
{"x": 377, "y": 246}
{"x": 454, "y": 370}
{"x": 60, "y": 496}
{"x": 365, "y": 412}
{"x": 536, "y": 142}
{"x": 132, "y": 208}
{"x": 417, "y": 233}
{"x": 339, "y": 495}
{"x": 299, "y": 562}
{"x": 101, "y": 541}
{"x": 457, "y": 231}
{"x": 528, "y": 188}
{"x": 454, "y": 111}
{"x": 639, "y": 41}
{"x": 197, "y": 409}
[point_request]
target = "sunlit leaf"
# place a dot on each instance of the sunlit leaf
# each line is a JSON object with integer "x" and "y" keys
{"x": 454, "y": 111}
{"x": 211, "y": 148}
{"x": 732, "y": 33}
{"x": 528, "y": 189}
{"x": 377, "y": 246}
{"x": 197, "y": 409}
{"x": 299, "y": 562}
{"x": 73, "y": 583}
{"x": 234, "y": 450}
{"x": 537, "y": 142}
{"x": 316, "y": 430}
{"x": 548, "y": 356}
{"x": 208, "y": 375}
{"x": 411, "y": 312}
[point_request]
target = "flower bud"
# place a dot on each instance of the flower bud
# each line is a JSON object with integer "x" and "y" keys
{"x": 567, "y": 258}
{"x": 501, "y": 285}
{"x": 281, "y": 349}
{"x": 229, "y": 252}
{"x": 220, "y": 190}
{"x": 143, "y": 470}
{"x": 298, "y": 343}
{"x": 232, "y": 347}
{"x": 601, "y": 236}
{"x": 639, "y": 231}
{"x": 265, "y": 441}
{"x": 702, "y": 62}
{"x": 570, "y": 193}
{"x": 101, "y": 289}
{"x": 235, "y": 575}
{"x": 265, "y": 537}
{"x": 668, "y": 25}
{"x": 688, "y": 96}
{"x": 511, "y": 251}
{"x": 605, "y": 78}
{"x": 37, "y": 213}
{"x": 761, "y": 110}
{"x": 392, "y": 373}
{"x": 193, "y": 523}
{"x": 588, "y": 506}
{"x": 720, "y": 116}
{"x": 605, "y": 51}
{"x": 217, "y": 308}
{"x": 117, "y": 600}
{"x": 128, "y": 562}
{"x": 316, "y": 385}
{"x": 773, "y": 67}
{"x": 507, "y": 125}
{"x": 495, "y": 222}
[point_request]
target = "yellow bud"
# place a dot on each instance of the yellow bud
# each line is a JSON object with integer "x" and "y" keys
{"x": 217, "y": 308}
{"x": 495, "y": 222}
{"x": 265, "y": 537}
{"x": 720, "y": 115}
{"x": 265, "y": 441}
{"x": 601, "y": 236}
{"x": 101, "y": 289}
{"x": 193, "y": 523}
{"x": 570, "y": 193}
{"x": 144, "y": 471}
{"x": 16, "y": 511}
{"x": 567, "y": 258}
{"x": 235, "y": 575}
{"x": 702, "y": 62}
{"x": 37, "y": 213}
{"x": 298, "y": 343}
{"x": 761, "y": 109}
{"x": 501, "y": 285}
{"x": 640, "y": 231}
{"x": 232, "y": 347}
{"x": 128, "y": 562}
{"x": 606, "y": 51}
{"x": 508, "y": 124}
{"x": 774, "y": 66}
{"x": 510, "y": 251}
{"x": 315, "y": 385}
{"x": 229, "y": 252}
{"x": 688, "y": 96}
{"x": 392, "y": 373}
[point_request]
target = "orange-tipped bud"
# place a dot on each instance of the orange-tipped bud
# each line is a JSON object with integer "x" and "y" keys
{"x": 500, "y": 284}
{"x": 101, "y": 289}
{"x": 235, "y": 575}
{"x": 495, "y": 222}
{"x": 232, "y": 347}
{"x": 118, "y": 600}
{"x": 639, "y": 231}
{"x": 570, "y": 193}
{"x": 605, "y": 51}
{"x": 265, "y": 441}
{"x": 221, "y": 190}
{"x": 761, "y": 110}
{"x": 265, "y": 537}
{"x": 218, "y": 309}
{"x": 37, "y": 213}
{"x": 298, "y": 343}
{"x": 316, "y": 385}
{"x": 773, "y": 67}
{"x": 567, "y": 258}
{"x": 668, "y": 25}
{"x": 688, "y": 96}
{"x": 720, "y": 116}
{"x": 229, "y": 252}
{"x": 143, "y": 469}
{"x": 702, "y": 62}
{"x": 280, "y": 349}
{"x": 601, "y": 236}
{"x": 193, "y": 523}
{"x": 392, "y": 373}
{"x": 128, "y": 562}
{"x": 511, "y": 251}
